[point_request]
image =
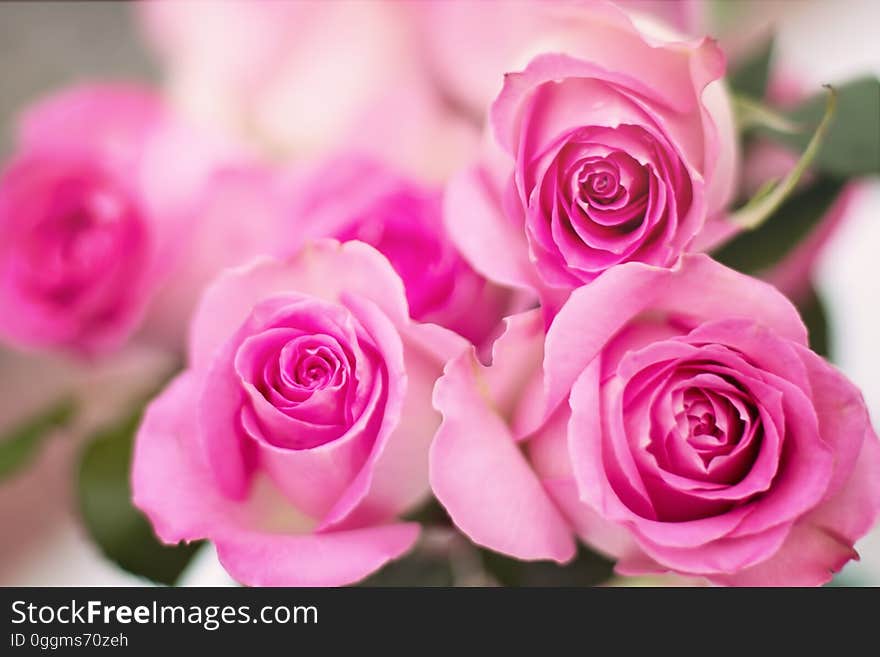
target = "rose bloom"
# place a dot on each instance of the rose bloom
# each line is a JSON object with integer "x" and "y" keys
{"x": 613, "y": 147}
{"x": 114, "y": 213}
{"x": 298, "y": 433}
{"x": 88, "y": 216}
{"x": 674, "y": 419}
{"x": 352, "y": 197}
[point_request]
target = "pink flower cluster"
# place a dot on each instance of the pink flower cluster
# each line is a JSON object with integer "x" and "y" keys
{"x": 523, "y": 323}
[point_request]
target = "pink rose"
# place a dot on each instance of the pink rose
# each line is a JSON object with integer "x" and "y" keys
{"x": 352, "y": 197}
{"x": 674, "y": 419}
{"x": 613, "y": 152}
{"x": 299, "y": 432}
{"x": 87, "y": 222}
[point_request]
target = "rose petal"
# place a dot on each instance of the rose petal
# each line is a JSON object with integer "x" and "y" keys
{"x": 807, "y": 558}
{"x": 329, "y": 559}
{"x": 172, "y": 485}
{"x": 698, "y": 289}
{"x": 390, "y": 493}
{"x": 486, "y": 238}
{"x": 324, "y": 269}
{"x": 478, "y": 473}
{"x": 385, "y": 419}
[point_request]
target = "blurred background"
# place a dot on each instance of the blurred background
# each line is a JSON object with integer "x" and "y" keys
{"x": 45, "y": 45}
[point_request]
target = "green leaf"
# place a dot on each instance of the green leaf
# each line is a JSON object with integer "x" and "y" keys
{"x": 586, "y": 569}
{"x": 21, "y": 444}
{"x": 750, "y": 77}
{"x": 753, "y": 251}
{"x": 120, "y": 530}
{"x": 812, "y": 310}
{"x": 852, "y": 145}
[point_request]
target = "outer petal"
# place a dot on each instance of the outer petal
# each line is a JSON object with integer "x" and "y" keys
{"x": 482, "y": 478}
{"x": 170, "y": 482}
{"x": 809, "y": 557}
{"x": 722, "y": 155}
{"x": 607, "y": 537}
{"x": 331, "y": 559}
{"x": 397, "y": 383}
{"x": 842, "y": 416}
{"x": 698, "y": 289}
{"x": 727, "y": 555}
{"x": 172, "y": 485}
{"x": 549, "y": 454}
{"x": 686, "y": 16}
{"x": 685, "y": 70}
{"x": 668, "y": 64}
{"x": 260, "y": 542}
{"x": 399, "y": 474}
{"x": 487, "y": 239}
{"x": 515, "y": 379}
{"x": 324, "y": 268}
{"x": 112, "y": 118}
{"x": 853, "y": 510}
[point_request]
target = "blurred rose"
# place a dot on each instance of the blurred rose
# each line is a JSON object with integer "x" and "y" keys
{"x": 356, "y": 198}
{"x": 469, "y": 45}
{"x": 299, "y": 432}
{"x": 89, "y": 216}
{"x": 678, "y": 422}
{"x": 307, "y": 76}
{"x": 793, "y": 275}
{"x": 614, "y": 152}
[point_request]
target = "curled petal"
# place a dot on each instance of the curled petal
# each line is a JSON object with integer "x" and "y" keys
{"x": 173, "y": 485}
{"x": 324, "y": 269}
{"x": 697, "y": 290}
{"x": 488, "y": 240}
{"x": 479, "y": 474}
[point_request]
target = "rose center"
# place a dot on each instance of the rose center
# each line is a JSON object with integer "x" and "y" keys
{"x": 599, "y": 183}
{"x": 313, "y": 370}
{"x": 78, "y": 240}
{"x": 703, "y": 425}
{"x": 609, "y": 197}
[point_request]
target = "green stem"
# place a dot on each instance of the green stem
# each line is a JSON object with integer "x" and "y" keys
{"x": 771, "y": 196}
